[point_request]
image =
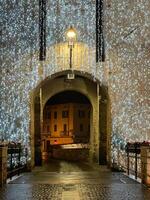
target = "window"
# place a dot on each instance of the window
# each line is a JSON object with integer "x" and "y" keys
{"x": 64, "y": 132}
{"x": 48, "y": 115}
{"x": 81, "y": 127}
{"x": 65, "y": 114}
{"x": 55, "y": 128}
{"x": 65, "y": 127}
{"x": 81, "y": 113}
{"x": 55, "y": 115}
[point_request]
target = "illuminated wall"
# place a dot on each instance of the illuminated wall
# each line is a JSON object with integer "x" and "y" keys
{"x": 20, "y": 70}
{"x": 125, "y": 71}
{"x": 128, "y": 69}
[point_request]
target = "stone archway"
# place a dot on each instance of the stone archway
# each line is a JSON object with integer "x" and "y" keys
{"x": 97, "y": 95}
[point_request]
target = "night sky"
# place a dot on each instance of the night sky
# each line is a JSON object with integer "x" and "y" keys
{"x": 68, "y": 97}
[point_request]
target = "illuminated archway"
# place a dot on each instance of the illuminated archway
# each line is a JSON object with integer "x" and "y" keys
{"x": 97, "y": 95}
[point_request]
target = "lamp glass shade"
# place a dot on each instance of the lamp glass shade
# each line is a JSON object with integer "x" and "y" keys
{"x": 71, "y": 34}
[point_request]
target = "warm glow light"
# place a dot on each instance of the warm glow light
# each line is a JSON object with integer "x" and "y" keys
{"x": 71, "y": 34}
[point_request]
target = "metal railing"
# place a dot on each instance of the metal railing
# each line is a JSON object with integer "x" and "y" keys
{"x": 129, "y": 161}
{"x": 17, "y": 160}
{"x": 133, "y": 156}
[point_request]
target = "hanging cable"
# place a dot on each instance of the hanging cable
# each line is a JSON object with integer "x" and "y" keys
{"x": 100, "y": 50}
{"x": 42, "y": 30}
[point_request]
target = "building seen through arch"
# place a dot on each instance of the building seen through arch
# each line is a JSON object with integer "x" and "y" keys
{"x": 66, "y": 120}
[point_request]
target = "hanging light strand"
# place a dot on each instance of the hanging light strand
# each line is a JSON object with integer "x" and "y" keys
{"x": 42, "y": 29}
{"x": 100, "y": 51}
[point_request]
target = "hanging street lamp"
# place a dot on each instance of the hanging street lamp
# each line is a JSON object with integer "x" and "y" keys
{"x": 71, "y": 36}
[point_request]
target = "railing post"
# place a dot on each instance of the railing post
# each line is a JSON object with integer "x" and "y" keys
{"x": 135, "y": 161}
{"x": 145, "y": 165}
{"x": 19, "y": 156}
{"x": 3, "y": 165}
{"x": 128, "y": 167}
{"x": 26, "y": 156}
{"x": 11, "y": 163}
{"x": 135, "y": 165}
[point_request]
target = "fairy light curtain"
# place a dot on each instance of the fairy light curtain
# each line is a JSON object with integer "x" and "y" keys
{"x": 100, "y": 54}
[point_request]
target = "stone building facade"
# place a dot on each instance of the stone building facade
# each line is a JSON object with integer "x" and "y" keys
{"x": 66, "y": 123}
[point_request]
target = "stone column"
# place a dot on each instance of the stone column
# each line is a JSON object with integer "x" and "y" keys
{"x": 145, "y": 165}
{"x": 37, "y": 133}
{"x": 3, "y": 165}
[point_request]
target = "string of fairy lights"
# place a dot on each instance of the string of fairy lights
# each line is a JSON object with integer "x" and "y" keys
{"x": 125, "y": 70}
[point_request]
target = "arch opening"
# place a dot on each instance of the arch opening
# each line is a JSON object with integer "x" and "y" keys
{"x": 58, "y": 91}
{"x": 66, "y": 126}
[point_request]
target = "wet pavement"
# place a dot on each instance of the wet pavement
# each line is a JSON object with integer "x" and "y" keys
{"x": 60, "y": 180}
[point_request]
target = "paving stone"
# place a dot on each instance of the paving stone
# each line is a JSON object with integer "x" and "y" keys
{"x": 96, "y": 184}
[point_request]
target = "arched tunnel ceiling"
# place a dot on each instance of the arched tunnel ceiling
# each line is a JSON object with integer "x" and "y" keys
{"x": 68, "y": 97}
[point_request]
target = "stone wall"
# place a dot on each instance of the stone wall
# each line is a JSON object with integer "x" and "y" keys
{"x": 19, "y": 20}
{"x": 21, "y": 70}
{"x": 127, "y": 71}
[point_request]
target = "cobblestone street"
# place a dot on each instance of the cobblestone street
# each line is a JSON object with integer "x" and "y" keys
{"x": 62, "y": 180}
